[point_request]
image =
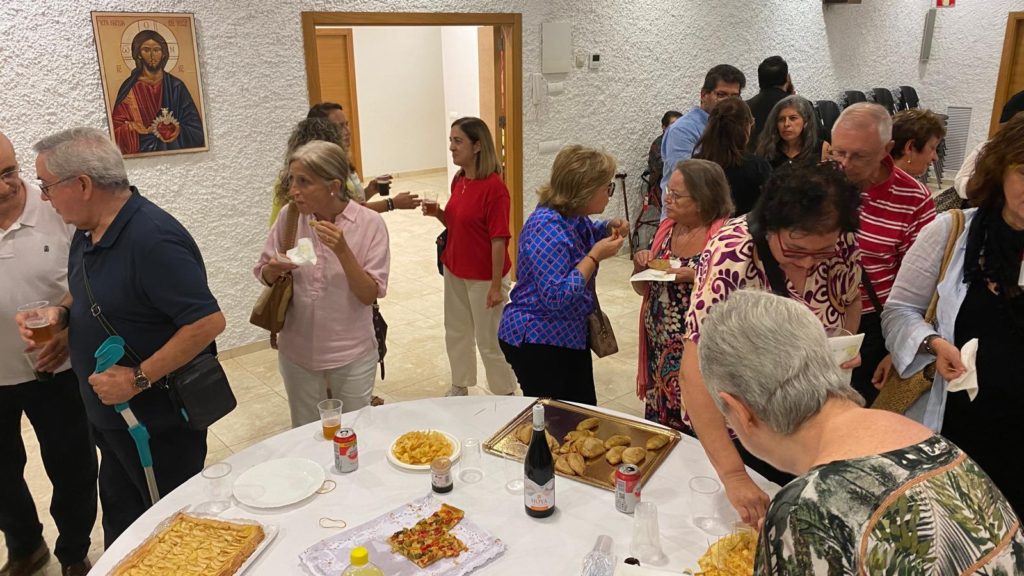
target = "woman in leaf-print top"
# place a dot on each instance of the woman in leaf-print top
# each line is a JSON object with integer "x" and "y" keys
{"x": 876, "y": 493}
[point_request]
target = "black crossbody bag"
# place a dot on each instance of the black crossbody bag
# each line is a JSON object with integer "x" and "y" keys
{"x": 199, "y": 390}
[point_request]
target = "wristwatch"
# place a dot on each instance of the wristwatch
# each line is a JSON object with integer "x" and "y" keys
{"x": 926, "y": 344}
{"x": 141, "y": 380}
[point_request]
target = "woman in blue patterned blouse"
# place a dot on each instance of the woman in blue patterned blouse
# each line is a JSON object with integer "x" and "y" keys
{"x": 543, "y": 331}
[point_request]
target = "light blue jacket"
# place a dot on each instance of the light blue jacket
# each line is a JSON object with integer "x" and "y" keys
{"x": 903, "y": 317}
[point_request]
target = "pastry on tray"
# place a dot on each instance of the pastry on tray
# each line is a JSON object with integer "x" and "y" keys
{"x": 194, "y": 546}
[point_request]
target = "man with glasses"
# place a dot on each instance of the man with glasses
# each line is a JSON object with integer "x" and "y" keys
{"x": 147, "y": 276}
{"x": 895, "y": 207}
{"x": 722, "y": 81}
{"x": 34, "y": 245}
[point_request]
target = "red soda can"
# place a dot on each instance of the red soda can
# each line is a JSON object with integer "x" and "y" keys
{"x": 627, "y": 488}
{"x": 346, "y": 454}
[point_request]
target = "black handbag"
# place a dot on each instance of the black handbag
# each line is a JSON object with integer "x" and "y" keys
{"x": 380, "y": 331}
{"x": 442, "y": 241}
{"x": 199, "y": 390}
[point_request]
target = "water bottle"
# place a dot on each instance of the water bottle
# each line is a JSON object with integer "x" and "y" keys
{"x": 360, "y": 564}
{"x": 599, "y": 562}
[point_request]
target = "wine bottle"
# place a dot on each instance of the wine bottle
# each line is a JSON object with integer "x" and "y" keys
{"x": 539, "y": 469}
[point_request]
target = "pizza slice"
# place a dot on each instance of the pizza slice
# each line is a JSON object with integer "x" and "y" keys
{"x": 429, "y": 540}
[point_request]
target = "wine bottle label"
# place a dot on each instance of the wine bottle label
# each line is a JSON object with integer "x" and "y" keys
{"x": 539, "y": 498}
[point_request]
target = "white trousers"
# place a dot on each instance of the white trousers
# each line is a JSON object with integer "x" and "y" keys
{"x": 469, "y": 324}
{"x": 352, "y": 384}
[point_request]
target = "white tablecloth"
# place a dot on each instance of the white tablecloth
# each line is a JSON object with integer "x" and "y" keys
{"x": 555, "y": 545}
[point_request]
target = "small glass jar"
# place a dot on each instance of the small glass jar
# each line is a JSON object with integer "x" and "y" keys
{"x": 441, "y": 475}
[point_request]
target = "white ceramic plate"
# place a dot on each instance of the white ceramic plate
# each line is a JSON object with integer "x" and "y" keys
{"x": 456, "y": 452}
{"x": 279, "y": 482}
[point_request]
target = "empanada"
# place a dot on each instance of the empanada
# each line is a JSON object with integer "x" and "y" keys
{"x": 588, "y": 424}
{"x": 524, "y": 433}
{"x": 614, "y": 455}
{"x": 592, "y": 447}
{"x": 562, "y": 465}
{"x": 617, "y": 440}
{"x": 574, "y": 434}
{"x": 576, "y": 462}
{"x": 634, "y": 455}
{"x": 657, "y": 442}
{"x": 552, "y": 443}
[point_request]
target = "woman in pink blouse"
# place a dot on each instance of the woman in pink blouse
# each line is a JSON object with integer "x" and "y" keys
{"x": 797, "y": 242}
{"x": 327, "y": 343}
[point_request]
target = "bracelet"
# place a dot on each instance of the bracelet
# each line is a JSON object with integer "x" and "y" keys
{"x": 391, "y": 204}
{"x": 592, "y": 258}
{"x": 67, "y": 313}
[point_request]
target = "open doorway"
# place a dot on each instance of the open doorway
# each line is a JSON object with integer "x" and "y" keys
{"x": 410, "y": 95}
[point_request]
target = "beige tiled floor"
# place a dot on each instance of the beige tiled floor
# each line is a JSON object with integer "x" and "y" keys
{"x": 417, "y": 366}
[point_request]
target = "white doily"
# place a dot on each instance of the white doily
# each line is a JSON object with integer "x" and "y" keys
{"x": 331, "y": 555}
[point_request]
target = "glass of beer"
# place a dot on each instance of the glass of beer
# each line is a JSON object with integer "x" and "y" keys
{"x": 430, "y": 205}
{"x": 330, "y": 416}
{"x": 38, "y": 321}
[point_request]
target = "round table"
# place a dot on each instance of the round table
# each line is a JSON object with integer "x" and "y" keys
{"x": 554, "y": 545}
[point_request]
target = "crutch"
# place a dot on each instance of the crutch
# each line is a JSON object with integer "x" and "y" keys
{"x": 108, "y": 354}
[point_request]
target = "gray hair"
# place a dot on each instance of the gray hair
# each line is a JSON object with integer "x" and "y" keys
{"x": 706, "y": 183}
{"x": 327, "y": 160}
{"x": 867, "y": 116}
{"x": 85, "y": 151}
{"x": 772, "y": 354}
{"x": 769, "y": 144}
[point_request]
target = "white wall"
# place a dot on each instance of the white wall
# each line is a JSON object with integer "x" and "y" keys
{"x": 654, "y": 53}
{"x": 399, "y": 84}
{"x": 461, "y": 63}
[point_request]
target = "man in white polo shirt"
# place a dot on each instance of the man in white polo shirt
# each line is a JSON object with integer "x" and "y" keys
{"x": 34, "y": 245}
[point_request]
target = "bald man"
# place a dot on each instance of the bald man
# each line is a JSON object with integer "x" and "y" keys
{"x": 34, "y": 244}
{"x": 895, "y": 207}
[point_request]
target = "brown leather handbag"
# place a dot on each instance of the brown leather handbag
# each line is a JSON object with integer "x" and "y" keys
{"x": 898, "y": 394}
{"x": 601, "y": 338}
{"x": 272, "y": 305}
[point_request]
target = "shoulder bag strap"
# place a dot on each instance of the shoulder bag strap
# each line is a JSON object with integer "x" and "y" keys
{"x": 97, "y": 313}
{"x": 955, "y": 230}
{"x": 865, "y": 281}
{"x": 776, "y": 279}
{"x": 291, "y": 227}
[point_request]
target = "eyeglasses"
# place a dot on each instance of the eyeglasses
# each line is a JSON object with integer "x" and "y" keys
{"x": 611, "y": 189}
{"x": 851, "y": 157}
{"x": 797, "y": 254}
{"x": 675, "y": 196}
{"x": 45, "y": 188}
{"x": 11, "y": 176}
{"x": 723, "y": 95}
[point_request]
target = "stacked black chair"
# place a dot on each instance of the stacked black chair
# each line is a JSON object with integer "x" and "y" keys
{"x": 828, "y": 113}
{"x": 853, "y": 97}
{"x": 908, "y": 98}
{"x": 883, "y": 97}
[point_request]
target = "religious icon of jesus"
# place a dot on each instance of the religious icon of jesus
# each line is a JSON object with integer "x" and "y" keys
{"x": 154, "y": 111}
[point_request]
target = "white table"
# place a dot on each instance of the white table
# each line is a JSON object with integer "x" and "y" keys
{"x": 555, "y": 545}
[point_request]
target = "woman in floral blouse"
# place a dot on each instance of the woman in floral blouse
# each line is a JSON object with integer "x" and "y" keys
{"x": 697, "y": 203}
{"x": 798, "y": 242}
{"x": 876, "y": 493}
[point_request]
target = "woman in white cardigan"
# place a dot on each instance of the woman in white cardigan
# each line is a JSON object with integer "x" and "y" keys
{"x": 980, "y": 298}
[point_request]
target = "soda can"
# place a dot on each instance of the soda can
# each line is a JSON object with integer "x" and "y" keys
{"x": 627, "y": 488}
{"x": 346, "y": 453}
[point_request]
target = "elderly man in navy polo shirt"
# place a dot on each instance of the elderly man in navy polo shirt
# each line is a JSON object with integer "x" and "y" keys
{"x": 148, "y": 277}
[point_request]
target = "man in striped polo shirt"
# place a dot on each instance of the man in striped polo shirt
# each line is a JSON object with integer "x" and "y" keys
{"x": 894, "y": 209}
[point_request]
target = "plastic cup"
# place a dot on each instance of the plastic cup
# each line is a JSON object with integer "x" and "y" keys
{"x": 431, "y": 207}
{"x": 706, "y": 505}
{"x": 37, "y": 321}
{"x": 646, "y": 544}
{"x": 514, "y": 467}
{"x": 330, "y": 416}
{"x": 218, "y": 488}
{"x": 471, "y": 468}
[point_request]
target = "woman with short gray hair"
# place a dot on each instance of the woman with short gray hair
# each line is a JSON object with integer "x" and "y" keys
{"x": 327, "y": 345}
{"x": 875, "y": 491}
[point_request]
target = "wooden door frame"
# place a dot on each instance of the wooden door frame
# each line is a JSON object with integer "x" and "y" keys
{"x": 1014, "y": 22}
{"x": 513, "y": 81}
{"x": 353, "y": 120}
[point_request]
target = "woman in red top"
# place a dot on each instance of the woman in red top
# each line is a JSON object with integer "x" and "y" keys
{"x": 476, "y": 262}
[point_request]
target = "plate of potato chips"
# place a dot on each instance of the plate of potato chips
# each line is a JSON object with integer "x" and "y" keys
{"x": 415, "y": 450}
